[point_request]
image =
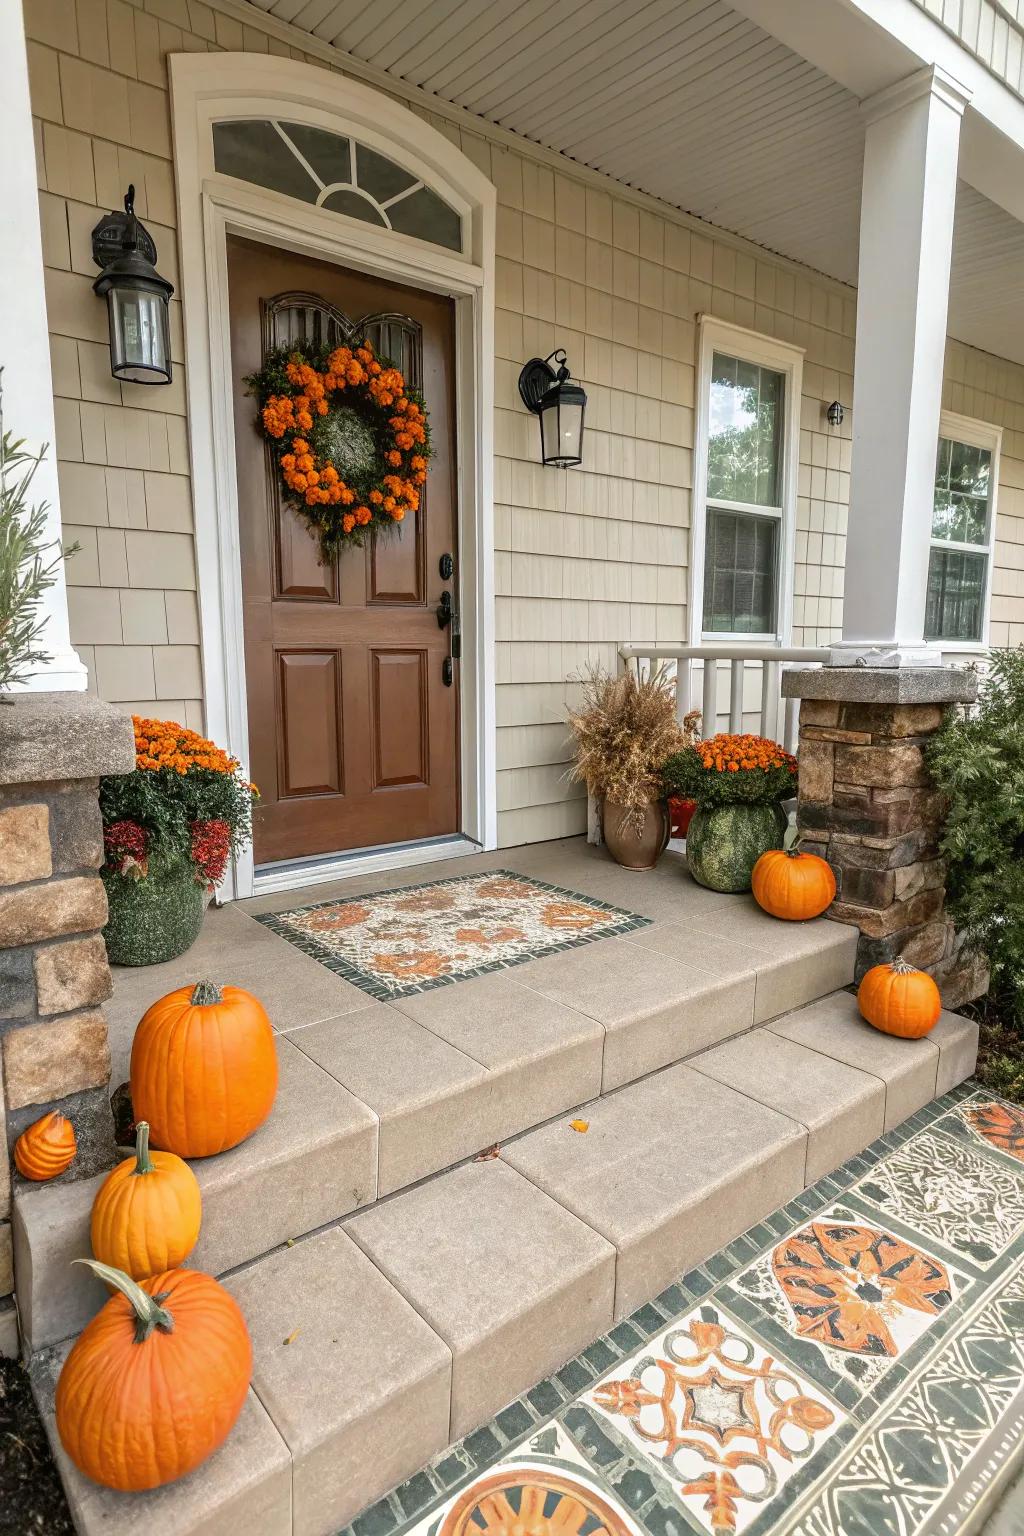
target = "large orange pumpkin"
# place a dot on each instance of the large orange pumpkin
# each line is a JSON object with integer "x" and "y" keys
{"x": 790, "y": 884}
{"x": 899, "y": 1000}
{"x": 155, "y": 1382}
{"x": 204, "y": 1069}
{"x": 147, "y": 1212}
{"x": 46, "y": 1149}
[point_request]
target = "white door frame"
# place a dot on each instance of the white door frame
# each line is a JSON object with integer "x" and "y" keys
{"x": 211, "y": 206}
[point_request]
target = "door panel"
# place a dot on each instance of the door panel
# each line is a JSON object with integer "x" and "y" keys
{"x": 311, "y": 755}
{"x": 401, "y": 714}
{"x": 353, "y": 735}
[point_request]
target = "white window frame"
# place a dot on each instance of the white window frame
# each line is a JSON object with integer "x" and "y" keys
{"x": 714, "y": 335}
{"x": 976, "y": 434}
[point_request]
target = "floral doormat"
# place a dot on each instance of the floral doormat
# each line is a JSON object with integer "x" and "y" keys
{"x": 395, "y": 943}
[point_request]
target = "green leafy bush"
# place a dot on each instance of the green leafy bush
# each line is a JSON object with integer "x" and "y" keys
{"x": 28, "y": 561}
{"x": 977, "y": 760}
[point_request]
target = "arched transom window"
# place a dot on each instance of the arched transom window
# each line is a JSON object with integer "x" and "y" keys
{"x": 333, "y": 171}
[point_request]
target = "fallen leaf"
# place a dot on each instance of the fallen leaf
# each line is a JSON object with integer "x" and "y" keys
{"x": 488, "y": 1153}
{"x": 293, "y": 1336}
{"x": 289, "y": 1242}
{"x": 579, "y": 1125}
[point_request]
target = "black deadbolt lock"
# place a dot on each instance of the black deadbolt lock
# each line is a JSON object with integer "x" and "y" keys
{"x": 446, "y": 565}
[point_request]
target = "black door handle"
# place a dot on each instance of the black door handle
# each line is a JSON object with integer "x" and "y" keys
{"x": 444, "y": 611}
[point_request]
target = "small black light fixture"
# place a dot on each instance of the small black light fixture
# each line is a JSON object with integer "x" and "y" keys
{"x": 561, "y": 406}
{"x": 835, "y": 413}
{"x": 137, "y": 297}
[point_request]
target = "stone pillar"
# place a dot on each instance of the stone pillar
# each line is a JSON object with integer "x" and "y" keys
{"x": 867, "y": 805}
{"x": 24, "y": 339}
{"x": 906, "y": 232}
{"x": 54, "y": 975}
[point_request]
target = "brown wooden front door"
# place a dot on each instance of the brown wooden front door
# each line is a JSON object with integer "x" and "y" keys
{"x": 353, "y": 731}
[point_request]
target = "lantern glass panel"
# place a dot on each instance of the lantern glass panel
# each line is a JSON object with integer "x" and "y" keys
{"x": 139, "y": 336}
{"x": 561, "y": 430}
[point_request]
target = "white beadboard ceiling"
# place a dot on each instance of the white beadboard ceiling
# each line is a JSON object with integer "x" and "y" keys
{"x": 686, "y": 100}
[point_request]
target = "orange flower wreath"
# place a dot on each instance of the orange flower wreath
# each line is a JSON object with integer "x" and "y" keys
{"x": 351, "y": 441}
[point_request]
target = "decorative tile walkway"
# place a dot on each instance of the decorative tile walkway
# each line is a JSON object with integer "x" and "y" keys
{"x": 852, "y": 1366}
{"x": 396, "y": 943}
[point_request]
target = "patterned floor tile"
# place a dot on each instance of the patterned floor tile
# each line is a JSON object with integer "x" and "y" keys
{"x": 545, "y": 1488}
{"x": 409, "y": 940}
{"x": 996, "y": 1124}
{"x": 725, "y": 1422}
{"x": 851, "y": 1366}
{"x": 904, "y": 1469}
{"x": 946, "y": 1190}
{"x": 846, "y": 1298}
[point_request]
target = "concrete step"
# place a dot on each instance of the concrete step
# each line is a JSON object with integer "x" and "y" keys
{"x": 395, "y": 1332}
{"x": 374, "y": 1097}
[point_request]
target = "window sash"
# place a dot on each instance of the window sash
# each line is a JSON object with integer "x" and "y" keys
{"x": 942, "y": 599}
{"x": 763, "y": 583}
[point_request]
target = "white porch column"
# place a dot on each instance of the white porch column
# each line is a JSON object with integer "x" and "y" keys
{"x": 24, "y": 339}
{"x": 906, "y": 234}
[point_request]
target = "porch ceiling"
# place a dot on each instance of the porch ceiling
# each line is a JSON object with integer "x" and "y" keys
{"x": 686, "y": 100}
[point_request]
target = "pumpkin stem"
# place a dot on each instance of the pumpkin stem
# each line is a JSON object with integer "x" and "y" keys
{"x": 900, "y": 967}
{"x": 205, "y": 994}
{"x": 149, "y": 1314}
{"x": 143, "y": 1161}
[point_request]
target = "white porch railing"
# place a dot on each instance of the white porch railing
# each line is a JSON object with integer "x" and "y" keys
{"x": 737, "y": 686}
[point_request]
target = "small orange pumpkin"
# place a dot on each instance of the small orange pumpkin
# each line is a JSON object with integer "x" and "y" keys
{"x": 899, "y": 1000}
{"x": 154, "y": 1384}
{"x": 46, "y": 1149}
{"x": 203, "y": 1069}
{"x": 792, "y": 885}
{"x": 147, "y": 1212}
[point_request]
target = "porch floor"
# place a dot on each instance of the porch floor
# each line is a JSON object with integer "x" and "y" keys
{"x": 460, "y": 1189}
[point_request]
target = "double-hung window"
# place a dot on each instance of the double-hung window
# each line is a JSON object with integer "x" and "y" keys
{"x": 750, "y": 386}
{"x": 963, "y": 532}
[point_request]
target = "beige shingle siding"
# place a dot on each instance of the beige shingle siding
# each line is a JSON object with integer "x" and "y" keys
{"x": 585, "y": 559}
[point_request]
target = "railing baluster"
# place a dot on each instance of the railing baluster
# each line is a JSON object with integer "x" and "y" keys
{"x": 736, "y": 696}
{"x": 770, "y": 700}
{"x": 684, "y": 688}
{"x": 792, "y": 725}
{"x": 709, "y": 700}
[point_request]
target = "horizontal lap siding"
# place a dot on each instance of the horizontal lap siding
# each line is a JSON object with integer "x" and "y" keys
{"x": 585, "y": 559}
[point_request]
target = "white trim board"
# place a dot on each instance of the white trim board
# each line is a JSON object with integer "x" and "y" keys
{"x": 713, "y": 336}
{"x": 208, "y": 87}
{"x": 297, "y": 873}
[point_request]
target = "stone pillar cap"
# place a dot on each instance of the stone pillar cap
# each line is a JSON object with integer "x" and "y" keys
{"x": 882, "y": 685}
{"x": 48, "y": 737}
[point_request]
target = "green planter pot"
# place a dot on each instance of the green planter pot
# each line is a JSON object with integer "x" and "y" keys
{"x": 153, "y": 919}
{"x": 724, "y": 842}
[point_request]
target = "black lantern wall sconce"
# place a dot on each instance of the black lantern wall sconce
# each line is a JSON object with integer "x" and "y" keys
{"x": 137, "y": 297}
{"x": 560, "y": 405}
{"x": 835, "y": 414}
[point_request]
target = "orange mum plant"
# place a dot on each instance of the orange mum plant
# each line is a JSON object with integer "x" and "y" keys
{"x": 351, "y": 439}
{"x": 187, "y": 802}
{"x": 732, "y": 770}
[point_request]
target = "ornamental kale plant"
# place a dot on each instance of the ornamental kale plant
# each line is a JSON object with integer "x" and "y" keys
{"x": 977, "y": 760}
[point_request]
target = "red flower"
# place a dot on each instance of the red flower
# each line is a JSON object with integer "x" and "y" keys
{"x": 125, "y": 848}
{"x": 211, "y": 845}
